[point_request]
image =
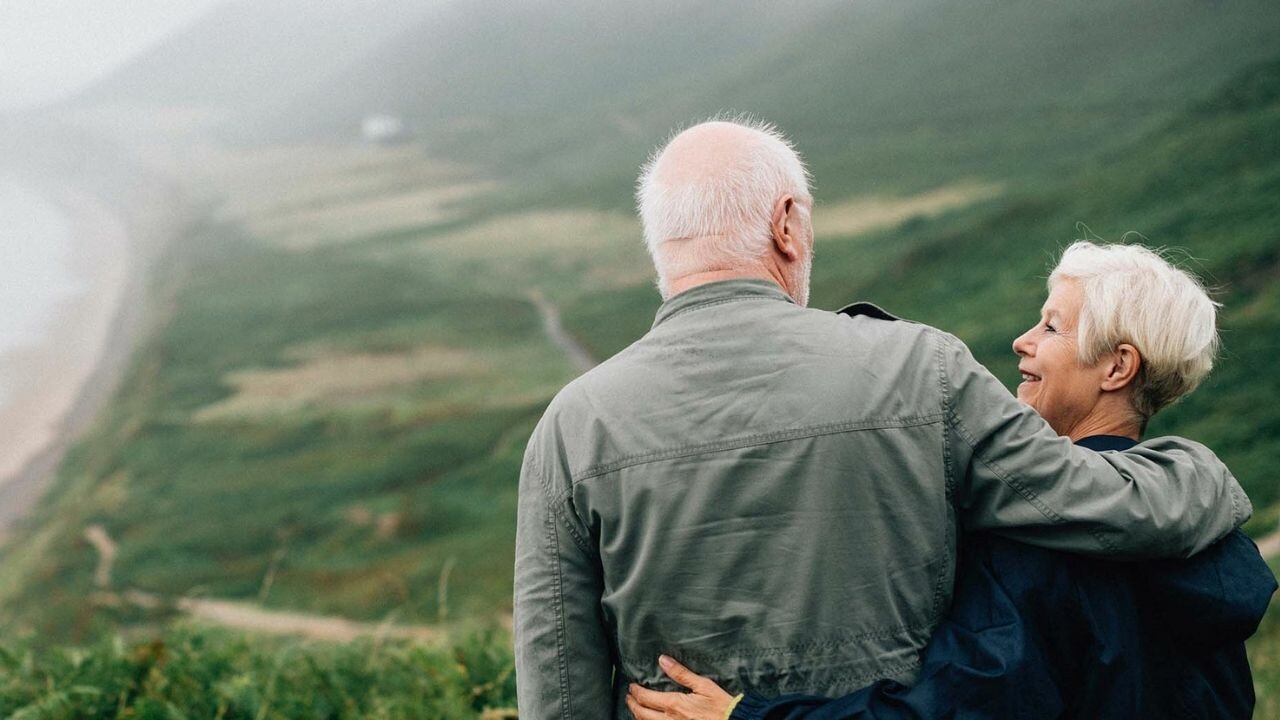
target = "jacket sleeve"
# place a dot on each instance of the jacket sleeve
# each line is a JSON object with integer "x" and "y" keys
{"x": 1012, "y": 474}
{"x": 564, "y": 665}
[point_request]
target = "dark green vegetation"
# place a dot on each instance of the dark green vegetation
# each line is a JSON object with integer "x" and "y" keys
{"x": 209, "y": 675}
{"x": 337, "y": 427}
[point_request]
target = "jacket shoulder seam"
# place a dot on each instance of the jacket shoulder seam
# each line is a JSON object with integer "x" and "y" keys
{"x": 558, "y": 503}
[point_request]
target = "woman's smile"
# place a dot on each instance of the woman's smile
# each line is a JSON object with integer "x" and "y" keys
{"x": 1054, "y": 382}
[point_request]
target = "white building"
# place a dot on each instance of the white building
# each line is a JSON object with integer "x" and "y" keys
{"x": 382, "y": 129}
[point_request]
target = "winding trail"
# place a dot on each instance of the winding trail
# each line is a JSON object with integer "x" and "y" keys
{"x": 250, "y": 617}
{"x": 97, "y": 536}
{"x": 245, "y": 616}
{"x": 551, "y": 324}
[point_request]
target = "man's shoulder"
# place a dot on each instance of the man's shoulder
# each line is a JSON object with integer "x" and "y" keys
{"x": 862, "y": 308}
{"x": 862, "y": 317}
{"x": 610, "y": 378}
{"x": 869, "y": 316}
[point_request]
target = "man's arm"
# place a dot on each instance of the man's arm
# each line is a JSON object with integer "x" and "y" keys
{"x": 564, "y": 668}
{"x": 1012, "y": 474}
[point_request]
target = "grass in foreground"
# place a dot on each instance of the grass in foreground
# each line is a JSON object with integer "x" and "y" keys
{"x": 202, "y": 674}
{"x": 188, "y": 673}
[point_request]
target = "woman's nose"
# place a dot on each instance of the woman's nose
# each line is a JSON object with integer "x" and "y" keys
{"x": 1022, "y": 345}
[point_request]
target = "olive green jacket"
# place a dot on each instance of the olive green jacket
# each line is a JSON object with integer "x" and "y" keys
{"x": 773, "y": 495}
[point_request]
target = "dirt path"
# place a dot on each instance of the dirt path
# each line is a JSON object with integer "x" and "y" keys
{"x": 245, "y": 616}
{"x": 578, "y": 355}
{"x": 252, "y": 618}
{"x": 97, "y": 536}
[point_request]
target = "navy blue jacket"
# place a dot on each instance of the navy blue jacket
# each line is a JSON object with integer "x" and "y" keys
{"x": 1034, "y": 633}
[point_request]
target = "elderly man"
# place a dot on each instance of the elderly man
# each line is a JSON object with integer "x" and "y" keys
{"x": 773, "y": 493}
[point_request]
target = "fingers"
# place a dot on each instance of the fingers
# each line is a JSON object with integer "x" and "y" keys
{"x": 641, "y": 712}
{"x": 654, "y": 699}
{"x": 685, "y": 676}
{"x": 707, "y": 701}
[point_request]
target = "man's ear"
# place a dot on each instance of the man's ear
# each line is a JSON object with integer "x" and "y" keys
{"x": 782, "y": 229}
{"x": 1122, "y": 365}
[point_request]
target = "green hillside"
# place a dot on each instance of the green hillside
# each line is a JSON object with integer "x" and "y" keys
{"x": 207, "y": 472}
{"x": 351, "y": 349}
{"x": 882, "y": 96}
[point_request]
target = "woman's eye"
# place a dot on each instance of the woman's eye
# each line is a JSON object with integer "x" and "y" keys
{"x": 1050, "y": 328}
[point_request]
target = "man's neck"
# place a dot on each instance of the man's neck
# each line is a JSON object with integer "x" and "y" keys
{"x": 689, "y": 282}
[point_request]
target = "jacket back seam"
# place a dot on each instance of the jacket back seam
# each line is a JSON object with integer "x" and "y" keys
{"x": 745, "y": 441}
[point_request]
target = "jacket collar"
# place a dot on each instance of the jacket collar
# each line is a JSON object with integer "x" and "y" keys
{"x": 715, "y": 293}
{"x": 1106, "y": 442}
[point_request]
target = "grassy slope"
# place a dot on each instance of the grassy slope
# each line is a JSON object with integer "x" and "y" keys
{"x": 206, "y": 507}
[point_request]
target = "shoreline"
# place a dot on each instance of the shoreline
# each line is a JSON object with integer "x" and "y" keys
{"x": 62, "y": 383}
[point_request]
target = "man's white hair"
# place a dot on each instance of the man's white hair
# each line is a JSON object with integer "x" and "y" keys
{"x": 1135, "y": 295}
{"x": 720, "y": 219}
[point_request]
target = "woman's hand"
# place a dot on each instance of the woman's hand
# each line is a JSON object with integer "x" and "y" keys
{"x": 704, "y": 701}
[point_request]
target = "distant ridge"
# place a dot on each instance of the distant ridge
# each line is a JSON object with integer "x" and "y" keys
{"x": 576, "y": 91}
{"x": 573, "y": 92}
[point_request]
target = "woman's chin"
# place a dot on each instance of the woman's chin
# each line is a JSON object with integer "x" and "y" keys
{"x": 1027, "y": 392}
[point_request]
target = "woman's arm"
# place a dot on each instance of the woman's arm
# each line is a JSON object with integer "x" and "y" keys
{"x": 708, "y": 701}
{"x": 705, "y": 700}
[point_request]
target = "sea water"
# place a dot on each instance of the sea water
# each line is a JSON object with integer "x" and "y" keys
{"x": 34, "y": 267}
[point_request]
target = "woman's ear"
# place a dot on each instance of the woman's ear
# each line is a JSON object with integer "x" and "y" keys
{"x": 1122, "y": 365}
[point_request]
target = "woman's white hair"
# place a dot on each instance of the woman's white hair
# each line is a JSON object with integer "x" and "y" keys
{"x": 717, "y": 220}
{"x": 1135, "y": 295}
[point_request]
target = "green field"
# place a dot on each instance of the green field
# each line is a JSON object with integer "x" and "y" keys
{"x": 330, "y": 413}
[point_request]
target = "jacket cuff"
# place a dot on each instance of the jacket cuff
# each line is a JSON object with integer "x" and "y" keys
{"x": 1241, "y": 506}
{"x": 750, "y": 707}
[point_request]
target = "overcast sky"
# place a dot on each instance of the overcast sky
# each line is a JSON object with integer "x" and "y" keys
{"x": 49, "y": 48}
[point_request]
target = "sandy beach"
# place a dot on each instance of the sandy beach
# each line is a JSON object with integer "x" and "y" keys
{"x": 58, "y": 385}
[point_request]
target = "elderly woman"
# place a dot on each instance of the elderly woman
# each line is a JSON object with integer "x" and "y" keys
{"x": 1038, "y": 634}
